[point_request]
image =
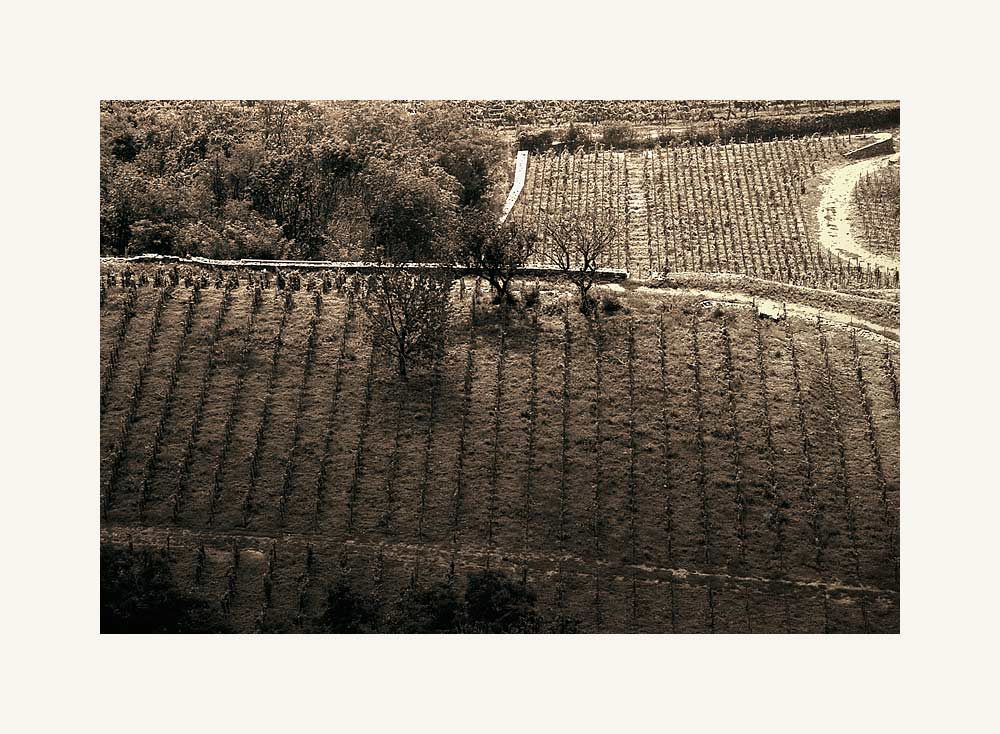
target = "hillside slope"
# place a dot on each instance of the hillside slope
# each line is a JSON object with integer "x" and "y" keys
{"x": 674, "y": 466}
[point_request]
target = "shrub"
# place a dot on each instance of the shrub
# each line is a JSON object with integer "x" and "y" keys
{"x": 532, "y": 296}
{"x": 611, "y": 304}
{"x": 575, "y": 138}
{"x": 618, "y": 135}
{"x": 348, "y": 612}
{"x": 435, "y": 609}
{"x": 495, "y": 603}
{"x": 138, "y": 596}
{"x": 537, "y": 142}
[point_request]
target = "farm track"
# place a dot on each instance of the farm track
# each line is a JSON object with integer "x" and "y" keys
{"x": 834, "y": 211}
{"x": 870, "y": 330}
{"x": 749, "y": 284}
{"x": 467, "y": 555}
{"x": 636, "y": 224}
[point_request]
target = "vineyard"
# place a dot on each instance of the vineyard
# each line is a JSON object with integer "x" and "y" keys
{"x": 669, "y": 464}
{"x": 876, "y": 210}
{"x": 746, "y": 208}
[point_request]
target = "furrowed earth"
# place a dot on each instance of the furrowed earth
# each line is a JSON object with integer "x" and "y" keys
{"x": 704, "y": 455}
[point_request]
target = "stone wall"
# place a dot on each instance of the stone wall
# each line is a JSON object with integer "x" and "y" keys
{"x": 883, "y": 146}
{"x": 528, "y": 271}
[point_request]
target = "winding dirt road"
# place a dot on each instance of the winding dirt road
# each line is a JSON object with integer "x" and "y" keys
{"x": 778, "y": 309}
{"x": 467, "y": 555}
{"x": 834, "y": 206}
{"x": 774, "y": 309}
{"x": 520, "y": 170}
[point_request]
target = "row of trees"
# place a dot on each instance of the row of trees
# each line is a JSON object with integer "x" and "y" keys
{"x": 408, "y": 311}
{"x": 515, "y": 113}
{"x": 619, "y": 133}
{"x": 407, "y": 308}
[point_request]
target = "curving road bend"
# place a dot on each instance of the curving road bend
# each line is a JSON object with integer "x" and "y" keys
{"x": 834, "y": 223}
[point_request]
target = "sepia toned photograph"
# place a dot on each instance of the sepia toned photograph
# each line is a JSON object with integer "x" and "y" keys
{"x": 500, "y": 366}
{"x": 526, "y": 367}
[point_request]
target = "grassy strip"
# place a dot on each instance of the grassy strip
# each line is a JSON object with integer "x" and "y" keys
{"x": 176, "y": 498}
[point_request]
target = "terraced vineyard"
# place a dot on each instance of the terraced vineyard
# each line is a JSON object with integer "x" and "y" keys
{"x": 678, "y": 464}
{"x": 744, "y": 208}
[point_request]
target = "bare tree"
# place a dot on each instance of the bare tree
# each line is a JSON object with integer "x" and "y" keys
{"x": 495, "y": 251}
{"x": 577, "y": 246}
{"x": 408, "y": 313}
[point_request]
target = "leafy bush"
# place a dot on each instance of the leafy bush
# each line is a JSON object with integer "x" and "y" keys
{"x": 532, "y": 296}
{"x": 435, "y": 609}
{"x": 496, "y": 603}
{"x": 611, "y": 304}
{"x": 618, "y": 135}
{"x": 348, "y": 612}
{"x": 537, "y": 142}
{"x": 138, "y": 595}
{"x": 575, "y": 138}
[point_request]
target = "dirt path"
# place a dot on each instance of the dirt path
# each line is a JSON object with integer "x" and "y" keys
{"x": 467, "y": 555}
{"x": 834, "y": 206}
{"x": 520, "y": 169}
{"x": 638, "y": 261}
{"x": 776, "y": 309}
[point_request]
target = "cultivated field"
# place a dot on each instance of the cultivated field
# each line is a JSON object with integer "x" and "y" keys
{"x": 676, "y": 463}
{"x": 876, "y": 210}
{"x": 746, "y": 208}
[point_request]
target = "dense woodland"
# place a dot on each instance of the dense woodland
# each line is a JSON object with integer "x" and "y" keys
{"x": 291, "y": 179}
